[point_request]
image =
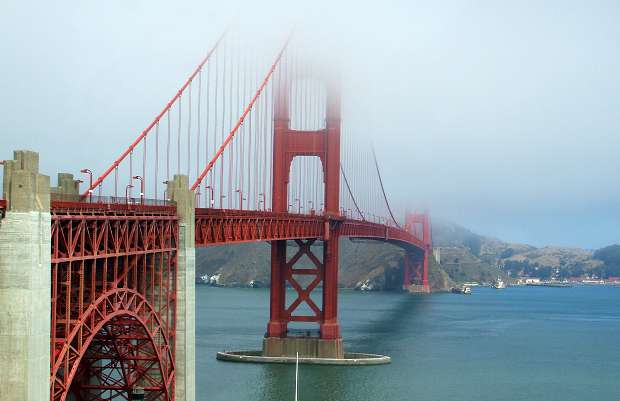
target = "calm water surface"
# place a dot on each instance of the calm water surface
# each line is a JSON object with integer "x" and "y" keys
{"x": 514, "y": 344}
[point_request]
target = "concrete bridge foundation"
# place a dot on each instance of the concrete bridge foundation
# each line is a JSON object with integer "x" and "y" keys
{"x": 25, "y": 281}
{"x": 185, "y": 361}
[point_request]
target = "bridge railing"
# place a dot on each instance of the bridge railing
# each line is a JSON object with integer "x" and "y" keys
{"x": 105, "y": 204}
{"x": 110, "y": 200}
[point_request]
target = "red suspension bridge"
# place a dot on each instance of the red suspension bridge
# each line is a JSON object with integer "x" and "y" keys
{"x": 247, "y": 150}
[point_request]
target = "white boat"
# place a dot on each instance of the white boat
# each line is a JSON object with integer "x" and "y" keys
{"x": 499, "y": 284}
{"x": 465, "y": 290}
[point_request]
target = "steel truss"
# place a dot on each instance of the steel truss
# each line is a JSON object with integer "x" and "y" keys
{"x": 113, "y": 301}
{"x": 225, "y": 226}
{"x": 303, "y": 294}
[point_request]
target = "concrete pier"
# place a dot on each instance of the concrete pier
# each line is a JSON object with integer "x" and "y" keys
{"x": 306, "y": 347}
{"x": 25, "y": 281}
{"x": 185, "y": 361}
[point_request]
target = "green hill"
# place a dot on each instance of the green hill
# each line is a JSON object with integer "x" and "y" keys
{"x": 463, "y": 257}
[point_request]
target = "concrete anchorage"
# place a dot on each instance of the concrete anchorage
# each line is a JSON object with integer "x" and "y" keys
{"x": 68, "y": 188}
{"x": 25, "y": 281}
{"x": 185, "y": 361}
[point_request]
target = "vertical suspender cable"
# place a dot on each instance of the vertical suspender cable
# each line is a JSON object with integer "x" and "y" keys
{"x": 180, "y": 106}
{"x": 242, "y": 118}
{"x": 223, "y": 129}
{"x": 155, "y": 182}
{"x": 144, "y": 133}
{"x": 206, "y": 193}
{"x": 168, "y": 149}
{"x": 189, "y": 129}
{"x": 230, "y": 119}
{"x": 198, "y": 133}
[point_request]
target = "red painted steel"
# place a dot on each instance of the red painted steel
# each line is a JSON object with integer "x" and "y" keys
{"x": 113, "y": 301}
{"x": 3, "y": 207}
{"x": 226, "y": 226}
{"x": 324, "y": 144}
{"x": 420, "y": 224}
{"x": 317, "y": 270}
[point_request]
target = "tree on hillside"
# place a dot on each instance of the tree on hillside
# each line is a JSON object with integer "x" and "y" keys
{"x": 473, "y": 243}
{"x": 610, "y": 256}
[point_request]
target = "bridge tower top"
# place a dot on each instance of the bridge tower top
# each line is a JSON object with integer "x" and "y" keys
{"x": 323, "y": 143}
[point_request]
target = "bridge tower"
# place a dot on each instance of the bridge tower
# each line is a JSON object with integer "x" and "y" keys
{"x": 415, "y": 263}
{"x": 288, "y": 144}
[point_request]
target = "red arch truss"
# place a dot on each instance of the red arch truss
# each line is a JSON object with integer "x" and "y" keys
{"x": 113, "y": 302}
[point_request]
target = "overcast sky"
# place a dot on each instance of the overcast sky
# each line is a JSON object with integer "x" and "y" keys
{"x": 503, "y": 116}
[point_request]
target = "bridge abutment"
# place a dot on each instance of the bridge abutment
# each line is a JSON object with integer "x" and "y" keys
{"x": 25, "y": 281}
{"x": 185, "y": 360}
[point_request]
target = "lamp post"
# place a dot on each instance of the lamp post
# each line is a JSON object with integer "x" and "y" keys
{"x": 90, "y": 183}
{"x": 197, "y": 198}
{"x": 212, "y": 197}
{"x": 127, "y": 193}
{"x": 165, "y": 191}
{"x": 311, "y": 204}
{"x": 261, "y": 201}
{"x": 298, "y": 205}
{"x": 137, "y": 177}
{"x": 240, "y": 198}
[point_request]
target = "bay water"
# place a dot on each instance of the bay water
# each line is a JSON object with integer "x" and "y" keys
{"x": 520, "y": 343}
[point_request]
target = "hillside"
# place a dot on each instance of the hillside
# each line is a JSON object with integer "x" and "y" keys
{"x": 463, "y": 256}
{"x": 237, "y": 265}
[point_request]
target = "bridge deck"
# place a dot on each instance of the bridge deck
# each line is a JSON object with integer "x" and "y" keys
{"x": 224, "y": 226}
{"x": 227, "y": 226}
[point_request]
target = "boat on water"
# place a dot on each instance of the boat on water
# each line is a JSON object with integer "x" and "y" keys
{"x": 554, "y": 284}
{"x": 465, "y": 290}
{"x": 593, "y": 282}
{"x": 499, "y": 284}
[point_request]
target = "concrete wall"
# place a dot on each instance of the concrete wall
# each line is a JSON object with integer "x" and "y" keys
{"x": 68, "y": 188}
{"x": 25, "y": 281}
{"x": 178, "y": 190}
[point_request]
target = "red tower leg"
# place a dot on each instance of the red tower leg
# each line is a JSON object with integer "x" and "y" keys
{"x": 419, "y": 225}
{"x": 277, "y": 326}
{"x": 427, "y": 248}
{"x": 406, "y": 271}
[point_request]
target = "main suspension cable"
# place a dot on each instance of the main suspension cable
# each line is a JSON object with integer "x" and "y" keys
{"x": 351, "y": 193}
{"x": 374, "y": 156}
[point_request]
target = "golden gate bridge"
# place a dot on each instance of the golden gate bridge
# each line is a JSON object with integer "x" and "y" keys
{"x": 247, "y": 150}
